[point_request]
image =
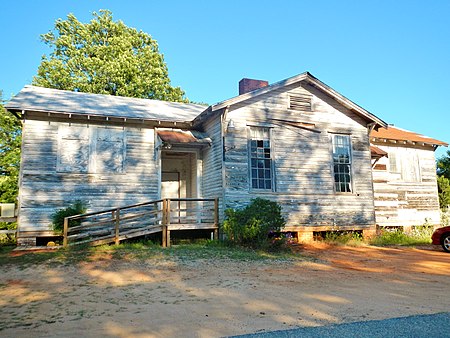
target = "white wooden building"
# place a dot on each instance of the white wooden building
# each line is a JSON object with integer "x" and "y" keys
{"x": 297, "y": 142}
{"x": 404, "y": 178}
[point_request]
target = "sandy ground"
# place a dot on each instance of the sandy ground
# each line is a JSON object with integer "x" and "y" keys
{"x": 206, "y": 298}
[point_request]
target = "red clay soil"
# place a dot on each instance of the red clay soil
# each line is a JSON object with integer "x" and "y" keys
{"x": 212, "y": 298}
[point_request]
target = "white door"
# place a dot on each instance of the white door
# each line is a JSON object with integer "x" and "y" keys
{"x": 170, "y": 185}
{"x": 170, "y": 188}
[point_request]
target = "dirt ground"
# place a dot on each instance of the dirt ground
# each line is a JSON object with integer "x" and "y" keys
{"x": 212, "y": 298}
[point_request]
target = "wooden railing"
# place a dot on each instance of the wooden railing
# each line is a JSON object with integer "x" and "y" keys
{"x": 165, "y": 215}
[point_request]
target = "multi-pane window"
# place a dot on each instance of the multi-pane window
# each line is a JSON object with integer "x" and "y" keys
{"x": 342, "y": 163}
{"x": 260, "y": 158}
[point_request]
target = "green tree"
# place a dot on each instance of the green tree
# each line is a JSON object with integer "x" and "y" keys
{"x": 443, "y": 165}
{"x": 10, "y": 141}
{"x": 443, "y": 191}
{"x": 105, "y": 57}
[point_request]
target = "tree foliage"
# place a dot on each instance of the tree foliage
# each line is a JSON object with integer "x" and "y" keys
{"x": 10, "y": 141}
{"x": 105, "y": 57}
{"x": 443, "y": 191}
{"x": 443, "y": 180}
{"x": 443, "y": 165}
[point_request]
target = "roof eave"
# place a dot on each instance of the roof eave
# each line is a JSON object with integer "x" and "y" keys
{"x": 292, "y": 80}
{"x": 345, "y": 101}
{"x": 98, "y": 117}
{"x": 432, "y": 144}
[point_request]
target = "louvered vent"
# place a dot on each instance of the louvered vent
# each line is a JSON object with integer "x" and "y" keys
{"x": 300, "y": 102}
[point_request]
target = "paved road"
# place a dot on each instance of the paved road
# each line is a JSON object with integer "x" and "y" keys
{"x": 429, "y": 326}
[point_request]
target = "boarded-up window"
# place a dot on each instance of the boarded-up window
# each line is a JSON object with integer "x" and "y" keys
{"x": 393, "y": 166}
{"x": 342, "y": 163}
{"x": 73, "y": 149}
{"x": 410, "y": 168}
{"x": 300, "y": 102}
{"x": 109, "y": 150}
{"x": 405, "y": 163}
{"x": 260, "y": 158}
{"x": 83, "y": 149}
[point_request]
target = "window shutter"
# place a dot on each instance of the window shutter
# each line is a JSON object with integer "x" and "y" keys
{"x": 73, "y": 149}
{"x": 109, "y": 150}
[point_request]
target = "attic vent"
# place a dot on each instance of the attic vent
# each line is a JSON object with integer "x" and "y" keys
{"x": 300, "y": 102}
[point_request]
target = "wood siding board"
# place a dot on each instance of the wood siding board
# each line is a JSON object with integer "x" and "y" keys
{"x": 402, "y": 203}
{"x": 302, "y": 161}
{"x": 44, "y": 190}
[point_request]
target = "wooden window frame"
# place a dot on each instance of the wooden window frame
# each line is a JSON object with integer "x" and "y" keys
{"x": 252, "y": 159}
{"x": 344, "y": 186}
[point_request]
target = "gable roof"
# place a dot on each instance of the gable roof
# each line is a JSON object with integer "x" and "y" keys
{"x": 304, "y": 77}
{"x": 397, "y": 134}
{"x": 39, "y": 99}
{"x": 48, "y": 100}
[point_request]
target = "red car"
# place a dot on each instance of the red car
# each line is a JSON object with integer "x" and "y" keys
{"x": 441, "y": 236}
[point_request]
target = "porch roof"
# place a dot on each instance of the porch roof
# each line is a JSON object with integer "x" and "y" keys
{"x": 184, "y": 137}
{"x": 377, "y": 153}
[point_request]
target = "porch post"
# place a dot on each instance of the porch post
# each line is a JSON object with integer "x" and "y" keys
{"x": 168, "y": 223}
{"x": 216, "y": 218}
{"x": 66, "y": 228}
{"x": 164, "y": 223}
{"x": 116, "y": 232}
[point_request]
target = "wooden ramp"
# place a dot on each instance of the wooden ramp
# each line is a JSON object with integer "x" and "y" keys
{"x": 137, "y": 220}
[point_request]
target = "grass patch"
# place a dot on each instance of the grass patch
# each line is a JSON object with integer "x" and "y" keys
{"x": 350, "y": 238}
{"x": 418, "y": 236}
{"x": 140, "y": 251}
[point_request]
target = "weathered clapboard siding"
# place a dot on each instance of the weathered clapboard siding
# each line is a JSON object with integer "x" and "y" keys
{"x": 303, "y": 172}
{"x": 212, "y": 181}
{"x": 398, "y": 200}
{"x": 45, "y": 189}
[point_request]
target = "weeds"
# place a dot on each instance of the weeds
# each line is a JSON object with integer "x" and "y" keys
{"x": 351, "y": 238}
{"x": 418, "y": 236}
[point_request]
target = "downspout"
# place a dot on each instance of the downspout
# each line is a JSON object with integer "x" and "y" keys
{"x": 223, "y": 117}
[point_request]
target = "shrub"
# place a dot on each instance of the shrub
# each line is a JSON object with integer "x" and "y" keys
{"x": 252, "y": 225}
{"x": 78, "y": 207}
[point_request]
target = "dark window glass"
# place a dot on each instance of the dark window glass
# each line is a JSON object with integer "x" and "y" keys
{"x": 342, "y": 163}
{"x": 260, "y": 159}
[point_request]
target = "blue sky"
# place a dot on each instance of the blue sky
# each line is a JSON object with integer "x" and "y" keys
{"x": 390, "y": 57}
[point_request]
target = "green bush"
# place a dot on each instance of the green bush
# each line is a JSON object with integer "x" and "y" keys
{"x": 252, "y": 225}
{"x": 78, "y": 207}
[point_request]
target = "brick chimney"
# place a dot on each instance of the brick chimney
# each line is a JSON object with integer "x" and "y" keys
{"x": 249, "y": 85}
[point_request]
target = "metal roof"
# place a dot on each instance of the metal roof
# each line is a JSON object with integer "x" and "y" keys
{"x": 41, "y": 99}
{"x": 178, "y": 136}
{"x": 376, "y": 152}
